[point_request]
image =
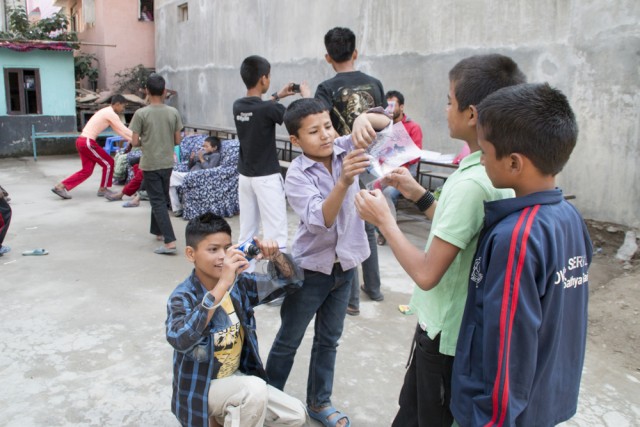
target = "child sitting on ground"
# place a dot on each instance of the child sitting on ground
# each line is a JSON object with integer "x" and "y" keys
{"x": 330, "y": 243}
{"x": 207, "y": 158}
{"x": 522, "y": 339}
{"x": 131, "y": 188}
{"x": 217, "y": 371}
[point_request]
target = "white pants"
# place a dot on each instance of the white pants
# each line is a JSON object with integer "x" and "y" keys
{"x": 247, "y": 401}
{"x": 177, "y": 178}
{"x": 262, "y": 198}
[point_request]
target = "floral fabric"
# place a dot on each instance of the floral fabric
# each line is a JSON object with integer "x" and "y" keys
{"x": 212, "y": 190}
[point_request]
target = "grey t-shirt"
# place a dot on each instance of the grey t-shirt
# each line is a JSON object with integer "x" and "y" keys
{"x": 156, "y": 125}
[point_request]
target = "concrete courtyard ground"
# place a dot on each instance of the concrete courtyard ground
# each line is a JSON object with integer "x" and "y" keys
{"x": 82, "y": 334}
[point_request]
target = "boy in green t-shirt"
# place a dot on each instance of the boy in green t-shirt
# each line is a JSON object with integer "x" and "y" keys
{"x": 156, "y": 128}
{"x": 442, "y": 270}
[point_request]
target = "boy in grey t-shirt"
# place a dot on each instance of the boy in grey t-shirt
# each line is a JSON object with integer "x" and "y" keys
{"x": 156, "y": 128}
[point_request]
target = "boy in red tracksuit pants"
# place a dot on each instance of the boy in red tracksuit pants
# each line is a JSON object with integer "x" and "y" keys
{"x": 91, "y": 153}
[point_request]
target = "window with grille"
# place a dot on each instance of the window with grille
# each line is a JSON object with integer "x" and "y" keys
{"x": 22, "y": 89}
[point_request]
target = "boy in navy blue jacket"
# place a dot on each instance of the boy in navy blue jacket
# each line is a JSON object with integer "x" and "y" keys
{"x": 522, "y": 340}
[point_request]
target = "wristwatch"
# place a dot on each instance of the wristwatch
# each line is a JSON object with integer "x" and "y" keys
{"x": 209, "y": 301}
{"x": 275, "y": 96}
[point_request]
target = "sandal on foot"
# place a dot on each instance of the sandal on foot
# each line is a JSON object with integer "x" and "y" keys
{"x": 112, "y": 197}
{"x": 61, "y": 192}
{"x": 163, "y": 250}
{"x": 324, "y": 416}
{"x": 405, "y": 309}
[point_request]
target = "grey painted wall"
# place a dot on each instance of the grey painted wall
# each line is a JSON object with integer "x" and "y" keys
{"x": 15, "y": 135}
{"x": 590, "y": 49}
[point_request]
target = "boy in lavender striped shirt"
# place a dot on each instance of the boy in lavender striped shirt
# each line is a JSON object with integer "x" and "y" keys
{"x": 329, "y": 244}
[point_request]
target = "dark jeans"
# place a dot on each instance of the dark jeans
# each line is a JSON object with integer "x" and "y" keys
{"x": 370, "y": 272}
{"x": 326, "y": 297}
{"x": 426, "y": 392}
{"x": 5, "y": 219}
{"x": 157, "y": 185}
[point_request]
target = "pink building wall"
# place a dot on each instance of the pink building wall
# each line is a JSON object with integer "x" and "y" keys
{"x": 117, "y": 24}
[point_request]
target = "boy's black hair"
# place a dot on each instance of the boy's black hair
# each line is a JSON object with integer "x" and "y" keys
{"x": 395, "y": 94}
{"x": 534, "y": 120}
{"x": 204, "y": 225}
{"x": 214, "y": 141}
{"x": 118, "y": 99}
{"x": 298, "y": 110}
{"x": 340, "y": 43}
{"x": 155, "y": 84}
{"x": 252, "y": 69}
{"x": 477, "y": 76}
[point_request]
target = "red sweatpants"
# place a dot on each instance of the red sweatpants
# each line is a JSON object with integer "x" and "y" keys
{"x": 90, "y": 154}
{"x": 133, "y": 185}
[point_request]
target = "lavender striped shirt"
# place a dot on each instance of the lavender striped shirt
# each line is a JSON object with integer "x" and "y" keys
{"x": 316, "y": 247}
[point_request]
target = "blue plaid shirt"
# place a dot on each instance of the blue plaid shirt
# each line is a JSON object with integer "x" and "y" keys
{"x": 192, "y": 337}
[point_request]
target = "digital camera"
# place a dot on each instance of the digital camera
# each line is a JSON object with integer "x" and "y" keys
{"x": 249, "y": 249}
{"x": 295, "y": 87}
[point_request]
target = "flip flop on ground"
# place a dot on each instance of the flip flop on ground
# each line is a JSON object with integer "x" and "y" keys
{"x": 130, "y": 204}
{"x": 328, "y": 416}
{"x": 36, "y": 252}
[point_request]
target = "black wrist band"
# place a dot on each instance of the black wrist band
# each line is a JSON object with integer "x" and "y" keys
{"x": 425, "y": 202}
{"x": 275, "y": 96}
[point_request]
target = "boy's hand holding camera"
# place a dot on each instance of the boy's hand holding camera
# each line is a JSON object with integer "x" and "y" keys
{"x": 233, "y": 264}
{"x": 292, "y": 88}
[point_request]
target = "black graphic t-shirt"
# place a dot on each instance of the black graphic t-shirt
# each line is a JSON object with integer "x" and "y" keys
{"x": 348, "y": 95}
{"x": 256, "y": 126}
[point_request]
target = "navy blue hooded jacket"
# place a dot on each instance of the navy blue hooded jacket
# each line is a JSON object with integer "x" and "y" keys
{"x": 522, "y": 340}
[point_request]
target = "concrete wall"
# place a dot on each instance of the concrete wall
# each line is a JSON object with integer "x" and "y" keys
{"x": 590, "y": 49}
{"x": 57, "y": 88}
{"x": 117, "y": 24}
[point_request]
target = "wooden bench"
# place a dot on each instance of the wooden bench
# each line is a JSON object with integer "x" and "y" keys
{"x": 59, "y": 135}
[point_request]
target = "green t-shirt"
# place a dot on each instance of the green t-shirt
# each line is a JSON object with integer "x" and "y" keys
{"x": 457, "y": 220}
{"x": 156, "y": 125}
